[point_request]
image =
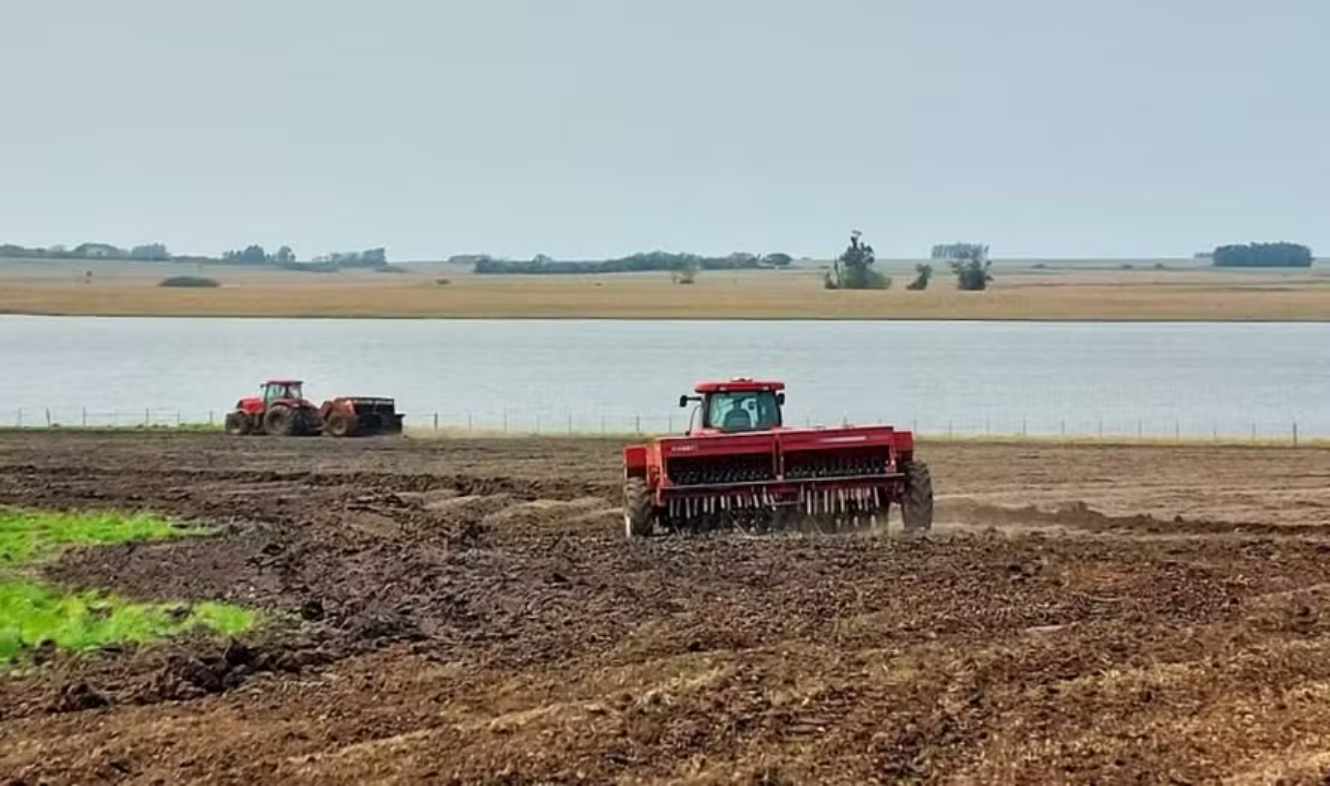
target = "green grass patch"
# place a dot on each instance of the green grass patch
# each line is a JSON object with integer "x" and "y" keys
{"x": 31, "y": 614}
{"x": 28, "y": 536}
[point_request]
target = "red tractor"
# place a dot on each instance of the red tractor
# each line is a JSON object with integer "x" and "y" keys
{"x": 281, "y": 409}
{"x": 738, "y": 465}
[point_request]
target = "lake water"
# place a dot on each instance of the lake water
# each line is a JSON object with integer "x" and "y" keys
{"x": 967, "y": 377}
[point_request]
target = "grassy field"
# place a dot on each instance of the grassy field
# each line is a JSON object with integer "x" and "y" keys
{"x": 1042, "y": 291}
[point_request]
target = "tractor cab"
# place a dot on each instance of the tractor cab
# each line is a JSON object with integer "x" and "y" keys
{"x": 737, "y": 406}
{"x": 283, "y": 390}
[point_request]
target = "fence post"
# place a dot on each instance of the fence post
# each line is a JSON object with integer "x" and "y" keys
{"x": 147, "y": 417}
{"x": 436, "y": 421}
{"x": 85, "y": 417}
{"x": 48, "y": 417}
{"x": 1023, "y": 431}
{"x": 210, "y": 420}
{"x": 638, "y": 423}
{"x": 1295, "y": 433}
{"x": 1177, "y": 430}
{"x": 468, "y": 422}
{"x": 1064, "y": 427}
{"x": 177, "y": 418}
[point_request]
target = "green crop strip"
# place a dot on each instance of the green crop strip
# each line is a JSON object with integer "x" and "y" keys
{"x": 32, "y": 613}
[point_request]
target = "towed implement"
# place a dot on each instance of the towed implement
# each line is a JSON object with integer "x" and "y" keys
{"x": 739, "y": 466}
{"x": 281, "y": 409}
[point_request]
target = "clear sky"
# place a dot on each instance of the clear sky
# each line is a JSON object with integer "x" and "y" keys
{"x": 590, "y": 128}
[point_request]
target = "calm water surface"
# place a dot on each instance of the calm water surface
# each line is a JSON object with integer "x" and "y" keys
{"x": 1196, "y": 378}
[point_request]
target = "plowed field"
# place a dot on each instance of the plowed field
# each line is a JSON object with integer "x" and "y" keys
{"x": 467, "y": 611}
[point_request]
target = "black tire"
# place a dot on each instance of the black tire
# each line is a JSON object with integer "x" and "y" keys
{"x": 280, "y": 421}
{"x": 237, "y": 423}
{"x": 917, "y": 502}
{"x": 340, "y": 424}
{"x": 637, "y": 509}
{"x": 308, "y": 423}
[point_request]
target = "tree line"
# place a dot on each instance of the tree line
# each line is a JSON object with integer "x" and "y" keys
{"x": 651, "y": 261}
{"x": 149, "y": 252}
{"x": 1263, "y": 255}
{"x": 252, "y": 254}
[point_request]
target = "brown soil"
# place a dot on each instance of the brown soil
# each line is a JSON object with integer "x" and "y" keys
{"x": 468, "y": 612}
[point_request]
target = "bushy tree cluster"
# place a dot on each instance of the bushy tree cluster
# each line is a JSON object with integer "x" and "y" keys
{"x": 370, "y": 257}
{"x": 1263, "y": 255}
{"x": 854, "y": 268}
{"x": 960, "y": 251}
{"x": 920, "y": 282}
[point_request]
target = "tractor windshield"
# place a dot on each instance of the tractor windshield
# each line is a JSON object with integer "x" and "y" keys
{"x": 743, "y": 411}
{"x": 276, "y": 391}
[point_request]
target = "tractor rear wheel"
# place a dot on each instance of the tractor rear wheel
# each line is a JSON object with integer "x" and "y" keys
{"x": 280, "y": 421}
{"x": 340, "y": 424}
{"x": 917, "y": 502}
{"x": 637, "y": 512}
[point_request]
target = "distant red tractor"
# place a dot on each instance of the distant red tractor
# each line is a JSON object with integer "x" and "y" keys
{"x": 740, "y": 466}
{"x": 281, "y": 409}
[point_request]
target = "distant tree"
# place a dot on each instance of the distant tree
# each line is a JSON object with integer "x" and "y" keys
{"x": 777, "y": 259}
{"x": 152, "y": 252}
{"x": 972, "y": 269}
{"x": 251, "y": 255}
{"x": 964, "y": 251}
{"x": 854, "y": 268}
{"x": 921, "y": 281}
{"x": 1263, "y": 255}
{"x": 371, "y": 257}
{"x": 98, "y": 251}
{"x": 541, "y": 259}
{"x": 284, "y": 256}
{"x": 57, "y": 251}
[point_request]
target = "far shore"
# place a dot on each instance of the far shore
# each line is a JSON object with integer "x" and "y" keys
{"x": 1108, "y": 291}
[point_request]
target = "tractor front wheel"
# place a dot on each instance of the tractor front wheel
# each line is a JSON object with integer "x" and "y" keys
{"x": 280, "y": 421}
{"x": 237, "y": 423}
{"x": 917, "y": 502}
{"x": 637, "y": 509}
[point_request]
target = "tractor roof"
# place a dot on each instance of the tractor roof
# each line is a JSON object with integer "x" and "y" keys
{"x": 283, "y": 382}
{"x": 739, "y": 385}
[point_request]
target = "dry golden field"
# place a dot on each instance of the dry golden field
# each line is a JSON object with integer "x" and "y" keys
{"x": 1022, "y": 291}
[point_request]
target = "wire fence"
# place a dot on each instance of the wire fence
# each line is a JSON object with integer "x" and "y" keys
{"x": 515, "y": 422}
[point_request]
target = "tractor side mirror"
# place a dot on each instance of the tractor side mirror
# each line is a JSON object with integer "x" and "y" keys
{"x": 683, "y": 401}
{"x": 780, "y": 399}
